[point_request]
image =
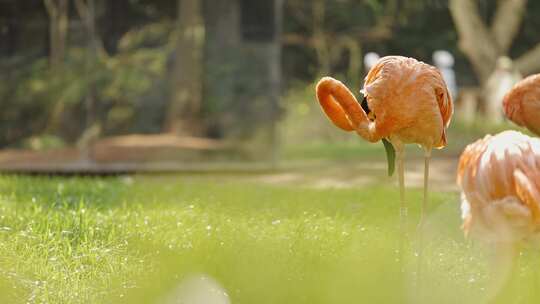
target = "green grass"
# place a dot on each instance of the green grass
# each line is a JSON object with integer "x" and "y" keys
{"x": 133, "y": 240}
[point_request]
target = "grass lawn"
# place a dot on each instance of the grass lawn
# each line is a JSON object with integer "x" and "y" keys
{"x": 134, "y": 239}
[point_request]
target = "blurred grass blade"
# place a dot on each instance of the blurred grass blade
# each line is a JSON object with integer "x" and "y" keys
{"x": 390, "y": 156}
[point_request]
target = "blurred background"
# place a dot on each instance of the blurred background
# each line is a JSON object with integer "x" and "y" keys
{"x": 131, "y": 85}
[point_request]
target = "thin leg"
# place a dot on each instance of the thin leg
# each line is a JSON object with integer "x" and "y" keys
{"x": 427, "y": 157}
{"x": 423, "y": 209}
{"x": 401, "y": 178}
{"x": 402, "y": 205}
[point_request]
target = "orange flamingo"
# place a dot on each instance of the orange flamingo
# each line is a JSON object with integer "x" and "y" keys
{"x": 522, "y": 104}
{"x": 500, "y": 181}
{"x": 499, "y": 177}
{"x": 406, "y": 101}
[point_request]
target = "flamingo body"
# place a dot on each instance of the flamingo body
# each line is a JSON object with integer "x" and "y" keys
{"x": 522, "y": 104}
{"x": 408, "y": 99}
{"x": 499, "y": 178}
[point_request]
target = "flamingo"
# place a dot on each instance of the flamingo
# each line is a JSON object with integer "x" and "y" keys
{"x": 522, "y": 104}
{"x": 405, "y": 101}
{"x": 499, "y": 177}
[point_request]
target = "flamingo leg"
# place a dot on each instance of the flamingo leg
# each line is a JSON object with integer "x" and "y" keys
{"x": 427, "y": 157}
{"x": 401, "y": 177}
{"x": 400, "y": 153}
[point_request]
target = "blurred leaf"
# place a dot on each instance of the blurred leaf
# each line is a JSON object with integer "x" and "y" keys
{"x": 152, "y": 35}
{"x": 43, "y": 142}
{"x": 390, "y": 156}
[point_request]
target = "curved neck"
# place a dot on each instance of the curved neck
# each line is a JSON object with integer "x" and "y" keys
{"x": 343, "y": 109}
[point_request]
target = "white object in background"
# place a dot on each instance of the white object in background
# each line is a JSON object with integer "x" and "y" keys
{"x": 444, "y": 61}
{"x": 501, "y": 81}
{"x": 370, "y": 59}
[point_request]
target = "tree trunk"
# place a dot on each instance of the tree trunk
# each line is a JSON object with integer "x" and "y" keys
{"x": 87, "y": 13}
{"x": 276, "y": 79}
{"x": 475, "y": 40}
{"x": 529, "y": 62}
{"x": 183, "y": 115}
{"x": 58, "y": 29}
{"x": 483, "y": 45}
{"x": 223, "y": 75}
{"x": 319, "y": 37}
{"x": 506, "y": 22}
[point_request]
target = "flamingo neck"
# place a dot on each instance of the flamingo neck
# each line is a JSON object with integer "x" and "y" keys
{"x": 367, "y": 129}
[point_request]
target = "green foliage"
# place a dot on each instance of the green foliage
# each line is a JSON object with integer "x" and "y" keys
{"x": 155, "y": 34}
{"x": 388, "y": 27}
{"x": 115, "y": 81}
{"x": 43, "y": 142}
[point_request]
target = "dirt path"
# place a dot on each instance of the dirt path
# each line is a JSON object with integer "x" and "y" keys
{"x": 163, "y": 153}
{"x": 348, "y": 175}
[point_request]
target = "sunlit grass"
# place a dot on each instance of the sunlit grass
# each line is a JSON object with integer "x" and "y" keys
{"x": 133, "y": 240}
